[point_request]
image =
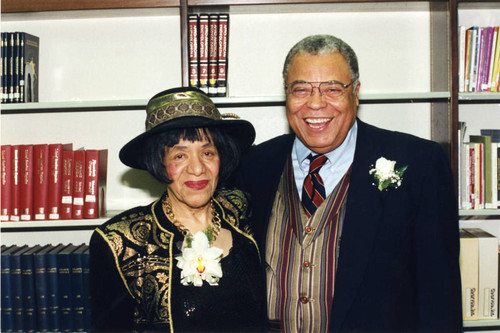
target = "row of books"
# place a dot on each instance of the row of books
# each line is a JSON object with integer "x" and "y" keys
{"x": 45, "y": 288}
{"x": 479, "y": 257}
{"x": 208, "y": 42}
{"x": 479, "y": 169}
{"x": 479, "y": 59}
{"x": 52, "y": 182}
{"x": 20, "y": 54}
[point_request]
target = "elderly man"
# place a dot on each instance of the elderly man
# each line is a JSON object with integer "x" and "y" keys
{"x": 358, "y": 225}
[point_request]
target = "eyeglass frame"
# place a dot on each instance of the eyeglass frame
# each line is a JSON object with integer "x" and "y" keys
{"x": 345, "y": 86}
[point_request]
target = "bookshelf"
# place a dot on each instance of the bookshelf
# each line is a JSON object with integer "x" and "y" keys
{"x": 101, "y": 62}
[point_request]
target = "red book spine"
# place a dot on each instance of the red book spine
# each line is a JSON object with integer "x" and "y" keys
{"x": 78, "y": 183}
{"x": 41, "y": 180}
{"x": 15, "y": 189}
{"x": 213, "y": 27}
{"x": 55, "y": 172}
{"x": 67, "y": 185}
{"x": 6, "y": 182}
{"x": 193, "y": 50}
{"x": 222, "y": 58}
{"x": 95, "y": 180}
{"x": 26, "y": 183}
{"x": 204, "y": 52}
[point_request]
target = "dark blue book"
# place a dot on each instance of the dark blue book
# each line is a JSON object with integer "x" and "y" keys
{"x": 64, "y": 284}
{"x": 52, "y": 288}
{"x": 7, "y": 324}
{"x": 28, "y": 285}
{"x": 17, "y": 288}
{"x": 494, "y": 133}
{"x": 76, "y": 262}
{"x": 41, "y": 288}
{"x": 86, "y": 286}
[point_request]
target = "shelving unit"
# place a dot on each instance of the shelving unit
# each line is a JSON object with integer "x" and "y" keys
{"x": 101, "y": 62}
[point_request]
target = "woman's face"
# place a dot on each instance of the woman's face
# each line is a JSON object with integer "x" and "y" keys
{"x": 193, "y": 168}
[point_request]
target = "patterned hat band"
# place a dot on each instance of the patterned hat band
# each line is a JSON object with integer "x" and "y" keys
{"x": 180, "y": 104}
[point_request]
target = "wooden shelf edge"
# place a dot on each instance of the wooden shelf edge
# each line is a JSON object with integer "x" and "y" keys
{"x": 19, "y": 6}
{"x": 482, "y": 323}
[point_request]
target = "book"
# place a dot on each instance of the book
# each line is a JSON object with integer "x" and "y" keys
{"x": 53, "y": 288}
{"x": 469, "y": 272}
{"x": 15, "y": 187}
{"x": 222, "y": 55}
{"x": 55, "y": 179}
{"x": 28, "y": 285}
{"x": 41, "y": 181}
{"x": 17, "y": 289}
{"x": 7, "y": 323}
{"x": 488, "y": 273}
{"x": 64, "y": 280}
{"x": 203, "y": 52}
{"x": 213, "y": 50}
{"x": 193, "y": 50}
{"x": 15, "y": 69}
{"x": 6, "y": 169}
{"x": 67, "y": 185}
{"x": 86, "y": 286}
{"x": 78, "y": 183}
{"x": 31, "y": 67}
{"x": 4, "y": 67}
{"x": 95, "y": 183}
{"x": 41, "y": 288}
{"x": 77, "y": 288}
{"x": 26, "y": 183}
{"x": 495, "y": 79}
{"x": 485, "y": 169}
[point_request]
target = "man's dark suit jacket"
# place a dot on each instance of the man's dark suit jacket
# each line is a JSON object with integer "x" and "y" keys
{"x": 398, "y": 265}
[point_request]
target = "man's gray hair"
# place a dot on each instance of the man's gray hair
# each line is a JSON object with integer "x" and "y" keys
{"x": 324, "y": 44}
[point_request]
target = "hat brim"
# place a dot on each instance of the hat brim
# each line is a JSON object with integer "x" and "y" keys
{"x": 242, "y": 131}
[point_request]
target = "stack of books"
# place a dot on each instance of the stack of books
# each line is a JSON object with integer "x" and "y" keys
{"x": 479, "y": 271}
{"x": 20, "y": 52}
{"x": 479, "y": 169}
{"x": 208, "y": 39}
{"x": 479, "y": 59}
{"x": 52, "y": 182}
{"x": 45, "y": 288}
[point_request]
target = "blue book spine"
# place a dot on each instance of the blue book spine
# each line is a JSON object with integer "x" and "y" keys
{"x": 41, "y": 291}
{"x": 86, "y": 286}
{"x": 65, "y": 294}
{"x": 77, "y": 290}
{"x": 52, "y": 289}
{"x": 28, "y": 285}
{"x": 17, "y": 290}
{"x": 7, "y": 324}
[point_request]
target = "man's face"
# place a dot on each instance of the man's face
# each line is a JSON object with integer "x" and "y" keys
{"x": 321, "y": 122}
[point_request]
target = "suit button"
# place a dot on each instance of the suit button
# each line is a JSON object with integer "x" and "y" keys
{"x": 307, "y": 264}
{"x": 308, "y": 230}
{"x": 304, "y": 300}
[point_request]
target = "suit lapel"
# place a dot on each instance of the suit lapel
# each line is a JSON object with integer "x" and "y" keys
{"x": 362, "y": 220}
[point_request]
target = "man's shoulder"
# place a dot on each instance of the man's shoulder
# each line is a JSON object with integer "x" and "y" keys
{"x": 272, "y": 145}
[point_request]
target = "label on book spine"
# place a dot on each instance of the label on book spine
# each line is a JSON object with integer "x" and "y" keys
{"x": 41, "y": 186}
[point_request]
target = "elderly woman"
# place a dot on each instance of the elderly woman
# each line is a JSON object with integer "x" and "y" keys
{"x": 186, "y": 262}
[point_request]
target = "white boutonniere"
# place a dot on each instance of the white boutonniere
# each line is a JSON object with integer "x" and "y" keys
{"x": 200, "y": 262}
{"x": 386, "y": 175}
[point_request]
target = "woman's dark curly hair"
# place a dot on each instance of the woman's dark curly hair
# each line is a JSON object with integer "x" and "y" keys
{"x": 229, "y": 152}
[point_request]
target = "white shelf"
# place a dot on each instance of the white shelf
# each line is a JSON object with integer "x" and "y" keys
{"x": 69, "y": 106}
{"x": 479, "y": 212}
{"x": 479, "y": 96}
{"x": 53, "y": 224}
{"x": 482, "y": 323}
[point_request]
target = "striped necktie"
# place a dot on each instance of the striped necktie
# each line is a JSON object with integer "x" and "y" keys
{"x": 313, "y": 191}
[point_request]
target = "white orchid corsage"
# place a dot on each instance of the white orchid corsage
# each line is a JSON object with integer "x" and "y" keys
{"x": 200, "y": 262}
{"x": 386, "y": 175}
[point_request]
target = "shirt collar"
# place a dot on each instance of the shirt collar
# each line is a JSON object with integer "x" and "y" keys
{"x": 344, "y": 152}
